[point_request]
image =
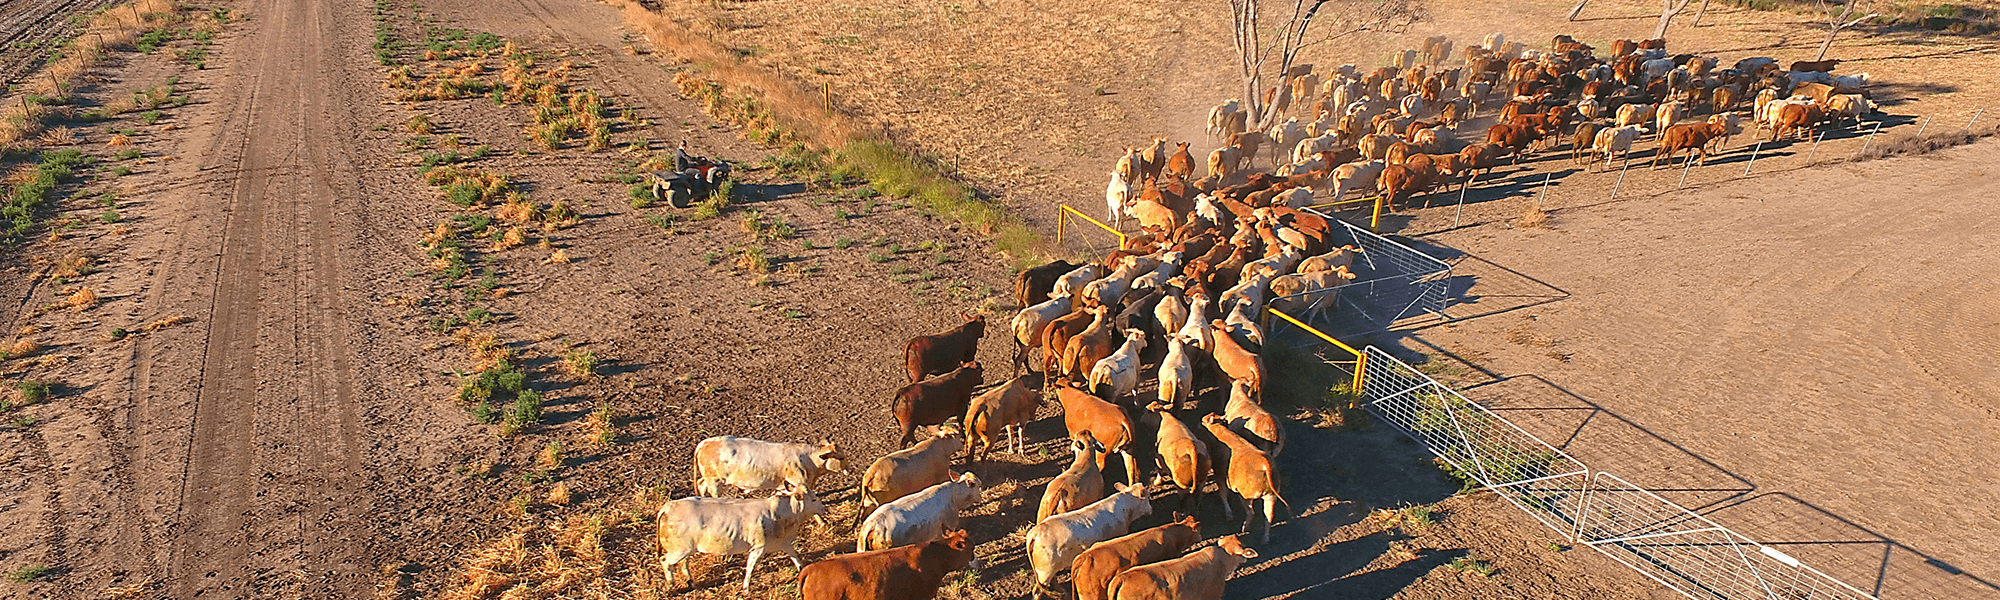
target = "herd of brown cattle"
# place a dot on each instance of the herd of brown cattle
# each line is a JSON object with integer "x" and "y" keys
{"x": 1181, "y": 305}
{"x": 1394, "y": 131}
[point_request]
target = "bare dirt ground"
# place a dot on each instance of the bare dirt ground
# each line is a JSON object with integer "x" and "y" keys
{"x": 1807, "y": 367}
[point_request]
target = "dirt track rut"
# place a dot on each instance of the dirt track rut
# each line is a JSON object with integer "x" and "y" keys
{"x": 273, "y": 454}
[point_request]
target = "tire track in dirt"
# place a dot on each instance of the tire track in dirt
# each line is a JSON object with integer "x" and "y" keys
{"x": 55, "y": 536}
{"x": 268, "y": 499}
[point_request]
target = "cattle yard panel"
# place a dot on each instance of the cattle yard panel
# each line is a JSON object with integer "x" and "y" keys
{"x": 1477, "y": 444}
{"x": 1393, "y": 282}
{"x": 1691, "y": 554}
{"x": 1068, "y": 217}
{"x": 1666, "y": 542}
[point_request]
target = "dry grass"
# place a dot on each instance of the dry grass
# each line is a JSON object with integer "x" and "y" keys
{"x": 166, "y": 322}
{"x": 557, "y": 256}
{"x": 772, "y": 107}
{"x": 118, "y": 139}
{"x": 515, "y": 237}
{"x": 1533, "y": 217}
{"x": 558, "y": 495}
{"x": 109, "y": 29}
{"x": 24, "y": 347}
{"x": 567, "y": 559}
{"x": 82, "y": 300}
{"x": 519, "y": 210}
{"x": 1931, "y": 141}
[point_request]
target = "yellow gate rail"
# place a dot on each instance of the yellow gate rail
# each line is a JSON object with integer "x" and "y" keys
{"x": 1374, "y": 219}
{"x": 1063, "y": 212}
{"x": 1360, "y": 358}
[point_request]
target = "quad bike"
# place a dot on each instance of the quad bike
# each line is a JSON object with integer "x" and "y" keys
{"x": 691, "y": 180}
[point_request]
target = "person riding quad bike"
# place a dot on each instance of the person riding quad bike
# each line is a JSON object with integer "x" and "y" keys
{"x": 693, "y": 178}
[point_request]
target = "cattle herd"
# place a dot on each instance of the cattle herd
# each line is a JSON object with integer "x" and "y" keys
{"x": 1180, "y": 304}
{"x": 1395, "y": 131}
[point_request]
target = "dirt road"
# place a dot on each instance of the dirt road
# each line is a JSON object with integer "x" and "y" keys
{"x": 236, "y": 452}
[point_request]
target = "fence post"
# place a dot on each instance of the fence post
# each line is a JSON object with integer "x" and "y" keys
{"x": 1975, "y": 119}
{"x": 1871, "y": 139}
{"x": 1926, "y": 125}
{"x": 1815, "y": 147}
{"x": 1061, "y": 218}
{"x": 1685, "y": 165}
{"x": 826, "y": 96}
{"x": 1461, "y": 200}
{"x": 1753, "y": 158}
{"x": 1375, "y": 221}
{"x": 1621, "y": 180}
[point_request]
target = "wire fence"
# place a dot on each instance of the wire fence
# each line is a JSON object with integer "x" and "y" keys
{"x": 1666, "y": 542}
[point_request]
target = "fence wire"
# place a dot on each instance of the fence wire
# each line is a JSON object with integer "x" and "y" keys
{"x": 1664, "y": 541}
{"x": 1392, "y": 282}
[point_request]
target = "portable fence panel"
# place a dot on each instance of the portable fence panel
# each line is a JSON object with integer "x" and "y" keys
{"x": 1543, "y": 481}
{"x": 1692, "y": 554}
{"x": 1393, "y": 282}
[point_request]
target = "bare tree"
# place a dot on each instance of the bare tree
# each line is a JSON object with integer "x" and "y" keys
{"x": 1303, "y": 25}
{"x": 1668, "y": 8}
{"x": 1836, "y": 20}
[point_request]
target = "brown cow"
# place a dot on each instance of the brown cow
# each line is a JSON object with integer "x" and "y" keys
{"x": 1088, "y": 416}
{"x": 1693, "y": 137}
{"x": 1401, "y": 182}
{"x": 1816, "y": 66}
{"x": 1090, "y": 345}
{"x": 1056, "y": 337}
{"x": 1201, "y": 575}
{"x": 1153, "y": 159}
{"x": 1237, "y": 363}
{"x": 1251, "y": 476}
{"x": 1093, "y": 570}
{"x": 1181, "y": 164}
{"x": 932, "y": 354}
{"x": 992, "y": 414}
{"x": 934, "y": 401}
{"x": 911, "y": 572}
{"x": 1797, "y": 117}
{"x": 1512, "y": 139}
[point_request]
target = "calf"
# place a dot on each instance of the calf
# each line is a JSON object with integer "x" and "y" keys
{"x": 757, "y": 465}
{"x": 997, "y": 411}
{"x": 1054, "y": 543}
{"x": 1250, "y": 476}
{"x": 910, "y": 470}
{"x": 902, "y": 573}
{"x": 918, "y": 517}
{"x": 731, "y": 526}
{"x": 1117, "y": 374}
{"x": 1072, "y": 282}
{"x": 1085, "y": 415}
{"x": 933, "y": 354}
{"x": 1077, "y": 486}
{"x": 1200, "y": 575}
{"x": 1094, "y": 569}
{"x": 934, "y": 401}
{"x": 1184, "y": 455}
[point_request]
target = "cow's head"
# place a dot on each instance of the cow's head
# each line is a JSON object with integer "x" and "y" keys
{"x": 829, "y": 457}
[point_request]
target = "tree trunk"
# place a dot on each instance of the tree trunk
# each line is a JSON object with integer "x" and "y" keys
{"x": 1828, "y": 44}
{"x": 1578, "y": 9}
{"x": 1698, "y": 14}
{"x": 1667, "y": 11}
